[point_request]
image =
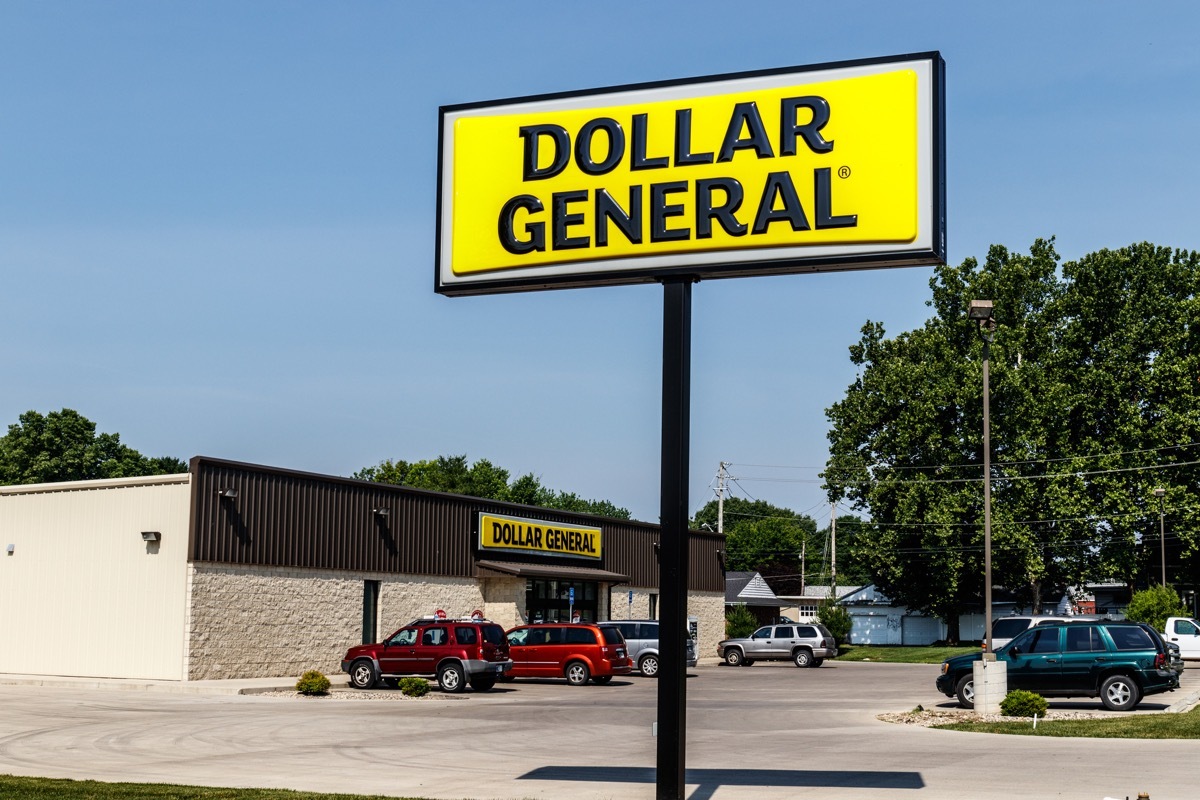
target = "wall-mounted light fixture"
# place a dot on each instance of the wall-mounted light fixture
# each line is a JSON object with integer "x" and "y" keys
{"x": 11, "y": 549}
{"x": 721, "y": 560}
{"x": 381, "y": 512}
{"x": 151, "y": 536}
{"x": 228, "y": 494}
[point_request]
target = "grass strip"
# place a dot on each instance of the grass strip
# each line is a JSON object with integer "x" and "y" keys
{"x": 13, "y": 787}
{"x": 1134, "y": 726}
{"x": 900, "y": 655}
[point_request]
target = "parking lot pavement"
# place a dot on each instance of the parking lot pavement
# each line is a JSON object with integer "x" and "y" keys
{"x": 769, "y": 731}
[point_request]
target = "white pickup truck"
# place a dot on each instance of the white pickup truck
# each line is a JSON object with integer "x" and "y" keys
{"x": 1185, "y": 632}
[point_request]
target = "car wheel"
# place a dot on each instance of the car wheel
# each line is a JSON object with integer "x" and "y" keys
{"x": 483, "y": 683}
{"x": 1120, "y": 693}
{"x": 966, "y": 691}
{"x": 450, "y": 677}
{"x": 733, "y": 657}
{"x": 649, "y": 666}
{"x": 362, "y": 674}
{"x": 577, "y": 673}
{"x": 602, "y": 680}
{"x": 802, "y": 658}
{"x": 818, "y": 662}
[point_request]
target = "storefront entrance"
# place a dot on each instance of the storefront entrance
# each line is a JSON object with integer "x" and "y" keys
{"x": 550, "y": 600}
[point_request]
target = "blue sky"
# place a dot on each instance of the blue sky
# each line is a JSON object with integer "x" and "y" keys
{"x": 217, "y": 223}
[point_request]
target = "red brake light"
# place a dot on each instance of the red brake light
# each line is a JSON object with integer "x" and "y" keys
{"x": 1160, "y": 660}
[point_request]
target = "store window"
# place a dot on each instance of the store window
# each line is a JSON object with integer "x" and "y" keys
{"x": 553, "y": 600}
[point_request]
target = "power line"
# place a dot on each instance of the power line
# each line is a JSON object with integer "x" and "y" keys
{"x": 998, "y": 479}
{"x": 1163, "y": 449}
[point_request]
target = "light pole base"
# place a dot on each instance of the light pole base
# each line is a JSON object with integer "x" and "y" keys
{"x": 991, "y": 685}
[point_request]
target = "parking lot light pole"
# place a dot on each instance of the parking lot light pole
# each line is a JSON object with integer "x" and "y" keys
{"x": 1162, "y": 532}
{"x": 981, "y": 312}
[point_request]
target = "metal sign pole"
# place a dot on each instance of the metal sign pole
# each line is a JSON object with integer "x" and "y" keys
{"x": 673, "y": 551}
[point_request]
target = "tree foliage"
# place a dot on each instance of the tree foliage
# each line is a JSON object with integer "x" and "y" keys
{"x": 1154, "y": 604}
{"x": 1093, "y": 403}
{"x": 64, "y": 446}
{"x": 456, "y": 475}
{"x": 764, "y": 538}
{"x": 739, "y": 622}
{"x": 836, "y": 618}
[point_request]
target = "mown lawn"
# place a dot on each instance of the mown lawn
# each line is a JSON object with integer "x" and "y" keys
{"x": 15, "y": 788}
{"x": 1139, "y": 726}
{"x": 900, "y": 655}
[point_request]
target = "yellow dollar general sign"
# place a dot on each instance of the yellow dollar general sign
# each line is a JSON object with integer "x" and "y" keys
{"x": 834, "y": 166}
{"x": 538, "y": 537}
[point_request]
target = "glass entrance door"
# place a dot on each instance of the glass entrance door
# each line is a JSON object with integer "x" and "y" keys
{"x": 550, "y": 601}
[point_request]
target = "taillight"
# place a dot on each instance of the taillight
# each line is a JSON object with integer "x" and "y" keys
{"x": 1160, "y": 660}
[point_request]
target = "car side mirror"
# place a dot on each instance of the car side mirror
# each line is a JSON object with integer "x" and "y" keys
{"x": 1014, "y": 651}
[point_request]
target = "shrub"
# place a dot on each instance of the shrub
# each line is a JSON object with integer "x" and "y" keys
{"x": 836, "y": 618}
{"x": 313, "y": 682}
{"x": 1020, "y": 703}
{"x": 739, "y": 622}
{"x": 414, "y": 687}
{"x": 1154, "y": 605}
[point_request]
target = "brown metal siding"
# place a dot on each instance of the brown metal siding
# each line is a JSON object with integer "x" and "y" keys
{"x": 295, "y": 519}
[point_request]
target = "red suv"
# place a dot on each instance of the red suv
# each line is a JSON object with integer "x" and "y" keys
{"x": 458, "y": 652}
{"x": 577, "y": 652}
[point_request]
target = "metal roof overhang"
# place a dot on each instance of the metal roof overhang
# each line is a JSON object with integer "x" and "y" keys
{"x": 523, "y": 570}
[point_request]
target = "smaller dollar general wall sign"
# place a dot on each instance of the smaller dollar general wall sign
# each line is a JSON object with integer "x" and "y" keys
{"x": 835, "y": 166}
{"x": 537, "y": 537}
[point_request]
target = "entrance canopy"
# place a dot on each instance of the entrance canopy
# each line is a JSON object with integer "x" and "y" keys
{"x": 485, "y": 568}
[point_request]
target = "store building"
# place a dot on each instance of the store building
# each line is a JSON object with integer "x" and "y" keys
{"x": 235, "y": 570}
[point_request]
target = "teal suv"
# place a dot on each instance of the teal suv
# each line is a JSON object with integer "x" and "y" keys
{"x": 1119, "y": 662}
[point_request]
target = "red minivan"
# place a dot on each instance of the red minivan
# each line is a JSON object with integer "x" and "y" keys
{"x": 577, "y": 652}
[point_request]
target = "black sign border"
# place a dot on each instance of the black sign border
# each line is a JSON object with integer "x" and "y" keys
{"x": 730, "y": 269}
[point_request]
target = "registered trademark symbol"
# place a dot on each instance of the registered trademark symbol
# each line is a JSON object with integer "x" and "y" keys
{"x": 843, "y": 172}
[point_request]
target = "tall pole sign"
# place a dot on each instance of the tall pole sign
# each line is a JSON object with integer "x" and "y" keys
{"x": 825, "y": 167}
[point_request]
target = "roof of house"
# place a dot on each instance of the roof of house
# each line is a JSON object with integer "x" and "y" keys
{"x": 748, "y": 588}
{"x": 820, "y": 593}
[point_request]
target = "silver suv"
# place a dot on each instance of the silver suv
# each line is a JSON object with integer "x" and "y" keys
{"x": 641, "y": 637}
{"x": 805, "y": 644}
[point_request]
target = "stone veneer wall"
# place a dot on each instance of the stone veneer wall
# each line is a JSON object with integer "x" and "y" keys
{"x": 268, "y": 622}
{"x": 255, "y": 622}
{"x": 707, "y": 607}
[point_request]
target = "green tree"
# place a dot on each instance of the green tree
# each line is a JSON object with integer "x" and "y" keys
{"x": 456, "y": 475}
{"x": 64, "y": 446}
{"x": 1154, "y": 605}
{"x": 764, "y": 538}
{"x": 836, "y": 618}
{"x": 739, "y": 622}
{"x": 1093, "y": 404}
{"x": 851, "y": 569}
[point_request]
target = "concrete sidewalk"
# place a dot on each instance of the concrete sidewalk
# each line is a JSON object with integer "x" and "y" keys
{"x": 228, "y": 687}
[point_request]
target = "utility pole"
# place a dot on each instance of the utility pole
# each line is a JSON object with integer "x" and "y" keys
{"x": 832, "y": 551}
{"x": 721, "y": 496}
{"x": 803, "y": 548}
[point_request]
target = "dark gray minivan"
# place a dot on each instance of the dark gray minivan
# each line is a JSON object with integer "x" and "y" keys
{"x": 641, "y": 637}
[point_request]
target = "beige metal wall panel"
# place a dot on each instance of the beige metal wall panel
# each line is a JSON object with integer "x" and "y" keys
{"x": 82, "y": 593}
